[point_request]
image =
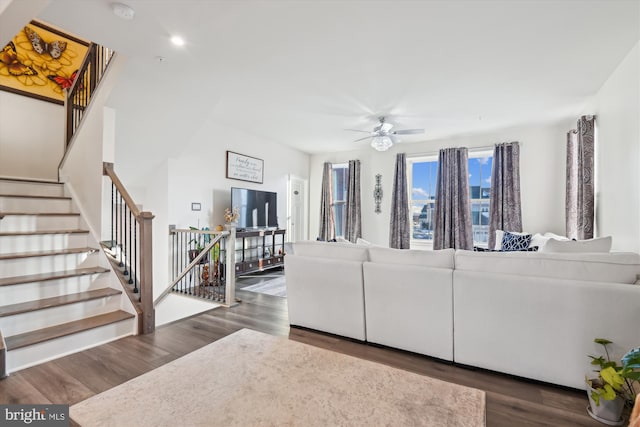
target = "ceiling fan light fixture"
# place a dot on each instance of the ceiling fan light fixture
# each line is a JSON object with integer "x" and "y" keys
{"x": 381, "y": 143}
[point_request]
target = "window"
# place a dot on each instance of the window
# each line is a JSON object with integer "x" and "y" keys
{"x": 340, "y": 176}
{"x": 422, "y": 173}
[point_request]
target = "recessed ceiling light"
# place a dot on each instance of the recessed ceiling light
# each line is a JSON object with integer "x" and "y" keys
{"x": 177, "y": 40}
{"x": 123, "y": 11}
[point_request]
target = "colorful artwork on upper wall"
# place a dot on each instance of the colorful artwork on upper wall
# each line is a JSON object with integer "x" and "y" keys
{"x": 41, "y": 62}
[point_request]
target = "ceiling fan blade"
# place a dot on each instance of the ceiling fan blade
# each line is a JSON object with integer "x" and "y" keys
{"x": 358, "y": 130}
{"x": 362, "y": 139}
{"x": 408, "y": 132}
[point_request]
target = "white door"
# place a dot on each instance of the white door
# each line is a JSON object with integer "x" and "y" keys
{"x": 297, "y": 213}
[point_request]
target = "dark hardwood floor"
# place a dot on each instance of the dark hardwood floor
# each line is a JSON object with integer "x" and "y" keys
{"x": 510, "y": 402}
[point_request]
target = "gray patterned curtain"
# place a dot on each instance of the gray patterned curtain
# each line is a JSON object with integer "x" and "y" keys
{"x": 452, "y": 225}
{"x": 505, "y": 210}
{"x": 327, "y": 224}
{"x": 580, "y": 183}
{"x": 353, "y": 215}
{"x": 399, "y": 235}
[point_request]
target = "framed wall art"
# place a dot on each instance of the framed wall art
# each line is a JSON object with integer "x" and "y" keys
{"x": 244, "y": 168}
{"x": 41, "y": 62}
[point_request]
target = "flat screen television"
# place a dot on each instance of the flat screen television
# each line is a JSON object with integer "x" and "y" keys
{"x": 258, "y": 209}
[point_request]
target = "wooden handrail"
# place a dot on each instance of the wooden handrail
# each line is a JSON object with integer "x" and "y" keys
{"x": 143, "y": 248}
{"x": 107, "y": 170}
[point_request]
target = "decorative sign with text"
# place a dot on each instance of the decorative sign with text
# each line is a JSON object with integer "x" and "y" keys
{"x": 244, "y": 168}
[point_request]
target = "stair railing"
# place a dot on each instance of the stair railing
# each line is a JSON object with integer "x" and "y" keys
{"x": 203, "y": 265}
{"x": 87, "y": 78}
{"x": 130, "y": 248}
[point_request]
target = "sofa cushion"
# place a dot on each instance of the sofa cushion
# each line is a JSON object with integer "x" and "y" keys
{"x": 515, "y": 241}
{"x": 441, "y": 258}
{"x": 602, "y": 244}
{"x": 344, "y": 251}
{"x": 618, "y": 267}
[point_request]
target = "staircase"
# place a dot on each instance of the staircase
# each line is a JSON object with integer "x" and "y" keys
{"x": 56, "y": 296}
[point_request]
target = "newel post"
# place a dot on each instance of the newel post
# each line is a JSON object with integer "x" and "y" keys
{"x": 146, "y": 273}
{"x": 230, "y": 288}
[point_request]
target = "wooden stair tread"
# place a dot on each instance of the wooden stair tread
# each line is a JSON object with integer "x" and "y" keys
{"x": 27, "y": 196}
{"x": 40, "y": 213}
{"x": 70, "y": 251}
{"x": 64, "y": 329}
{"x": 44, "y": 303}
{"x": 18, "y": 280}
{"x": 35, "y": 233}
{"x": 31, "y": 181}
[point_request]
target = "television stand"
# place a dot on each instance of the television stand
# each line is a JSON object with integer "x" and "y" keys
{"x": 259, "y": 250}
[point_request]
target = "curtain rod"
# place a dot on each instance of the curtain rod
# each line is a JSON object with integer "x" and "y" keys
{"x": 470, "y": 150}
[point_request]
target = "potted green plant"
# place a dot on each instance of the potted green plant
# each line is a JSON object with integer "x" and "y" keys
{"x": 198, "y": 244}
{"x": 615, "y": 385}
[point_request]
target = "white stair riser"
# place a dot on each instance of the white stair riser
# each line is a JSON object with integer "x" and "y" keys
{"x": 15, "y": 294}
{"x": 31, "y": 188}
{"x": 39, "y": 353}
{"x": 25, "y": 223}
{"x": 26, "y": 322}
{"x": 21, "y": 204}
{"x": 46, "y": 264}
{"x": 40, "y": 242}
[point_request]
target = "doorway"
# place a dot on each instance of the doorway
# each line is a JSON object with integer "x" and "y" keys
{"x": 296, "y": 209}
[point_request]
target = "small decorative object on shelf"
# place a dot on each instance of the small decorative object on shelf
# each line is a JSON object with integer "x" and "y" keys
{"x": 377, "y": 193}
{"x": 231, "y": 217}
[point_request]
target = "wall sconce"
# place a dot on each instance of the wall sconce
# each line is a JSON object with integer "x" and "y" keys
{"x": 377, "y": 193}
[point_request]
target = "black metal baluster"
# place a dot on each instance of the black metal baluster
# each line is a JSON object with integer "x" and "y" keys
{"x": 127, "y": 258}
{"x": 135, "y": 256}
{"x": 130, "y": 244}
{"x": 113, "y": 206}
{"x": 119, "y": 229}
{"x": 135, "y": 251}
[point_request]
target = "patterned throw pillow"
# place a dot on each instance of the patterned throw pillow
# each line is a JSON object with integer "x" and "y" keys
{"x": 515, "y": 242}
{"x": 481, "y": 249}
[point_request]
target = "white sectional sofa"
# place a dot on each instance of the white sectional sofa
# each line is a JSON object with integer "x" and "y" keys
{"x": 325, "y": 287}
{"x": 529, "y": 314}
{"x": 535, "y": 315}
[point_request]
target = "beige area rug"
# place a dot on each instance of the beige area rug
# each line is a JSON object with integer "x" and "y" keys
{"x": 253, "y": 379}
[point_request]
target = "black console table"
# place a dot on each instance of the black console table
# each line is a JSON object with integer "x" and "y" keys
{"x": 259, "y": 250}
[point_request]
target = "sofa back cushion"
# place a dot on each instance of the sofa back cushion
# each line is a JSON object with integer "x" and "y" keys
{"x": 440, "y": 259}
{"x": 618, "y": 267}
{"x": 332, "y": 250}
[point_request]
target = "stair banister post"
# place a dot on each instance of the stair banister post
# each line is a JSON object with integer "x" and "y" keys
{"x": 146, "y": 272}
{"x": 230, "y": 288}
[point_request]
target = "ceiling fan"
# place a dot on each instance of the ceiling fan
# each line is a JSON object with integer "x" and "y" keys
{"x": 382, "y": 137}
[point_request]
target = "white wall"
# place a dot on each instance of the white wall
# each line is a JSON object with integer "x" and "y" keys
{"x": 617, "y": 110}
{"x": 199, "y": 174}
{"x": 31, "y": 137}
{"x": 542, "y": 176}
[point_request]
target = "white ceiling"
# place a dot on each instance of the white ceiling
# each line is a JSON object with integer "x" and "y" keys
{"x": 300, "y": 72}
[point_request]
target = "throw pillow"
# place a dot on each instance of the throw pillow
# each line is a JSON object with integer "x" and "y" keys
{"x": 602, "y": 244}
{"x": 515, "y": 242}
{"x": 500, "y": 236}
{"x": 343, "y": 240}
{"x": 481, "y": 249}
{"x": 360, "y": 241}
